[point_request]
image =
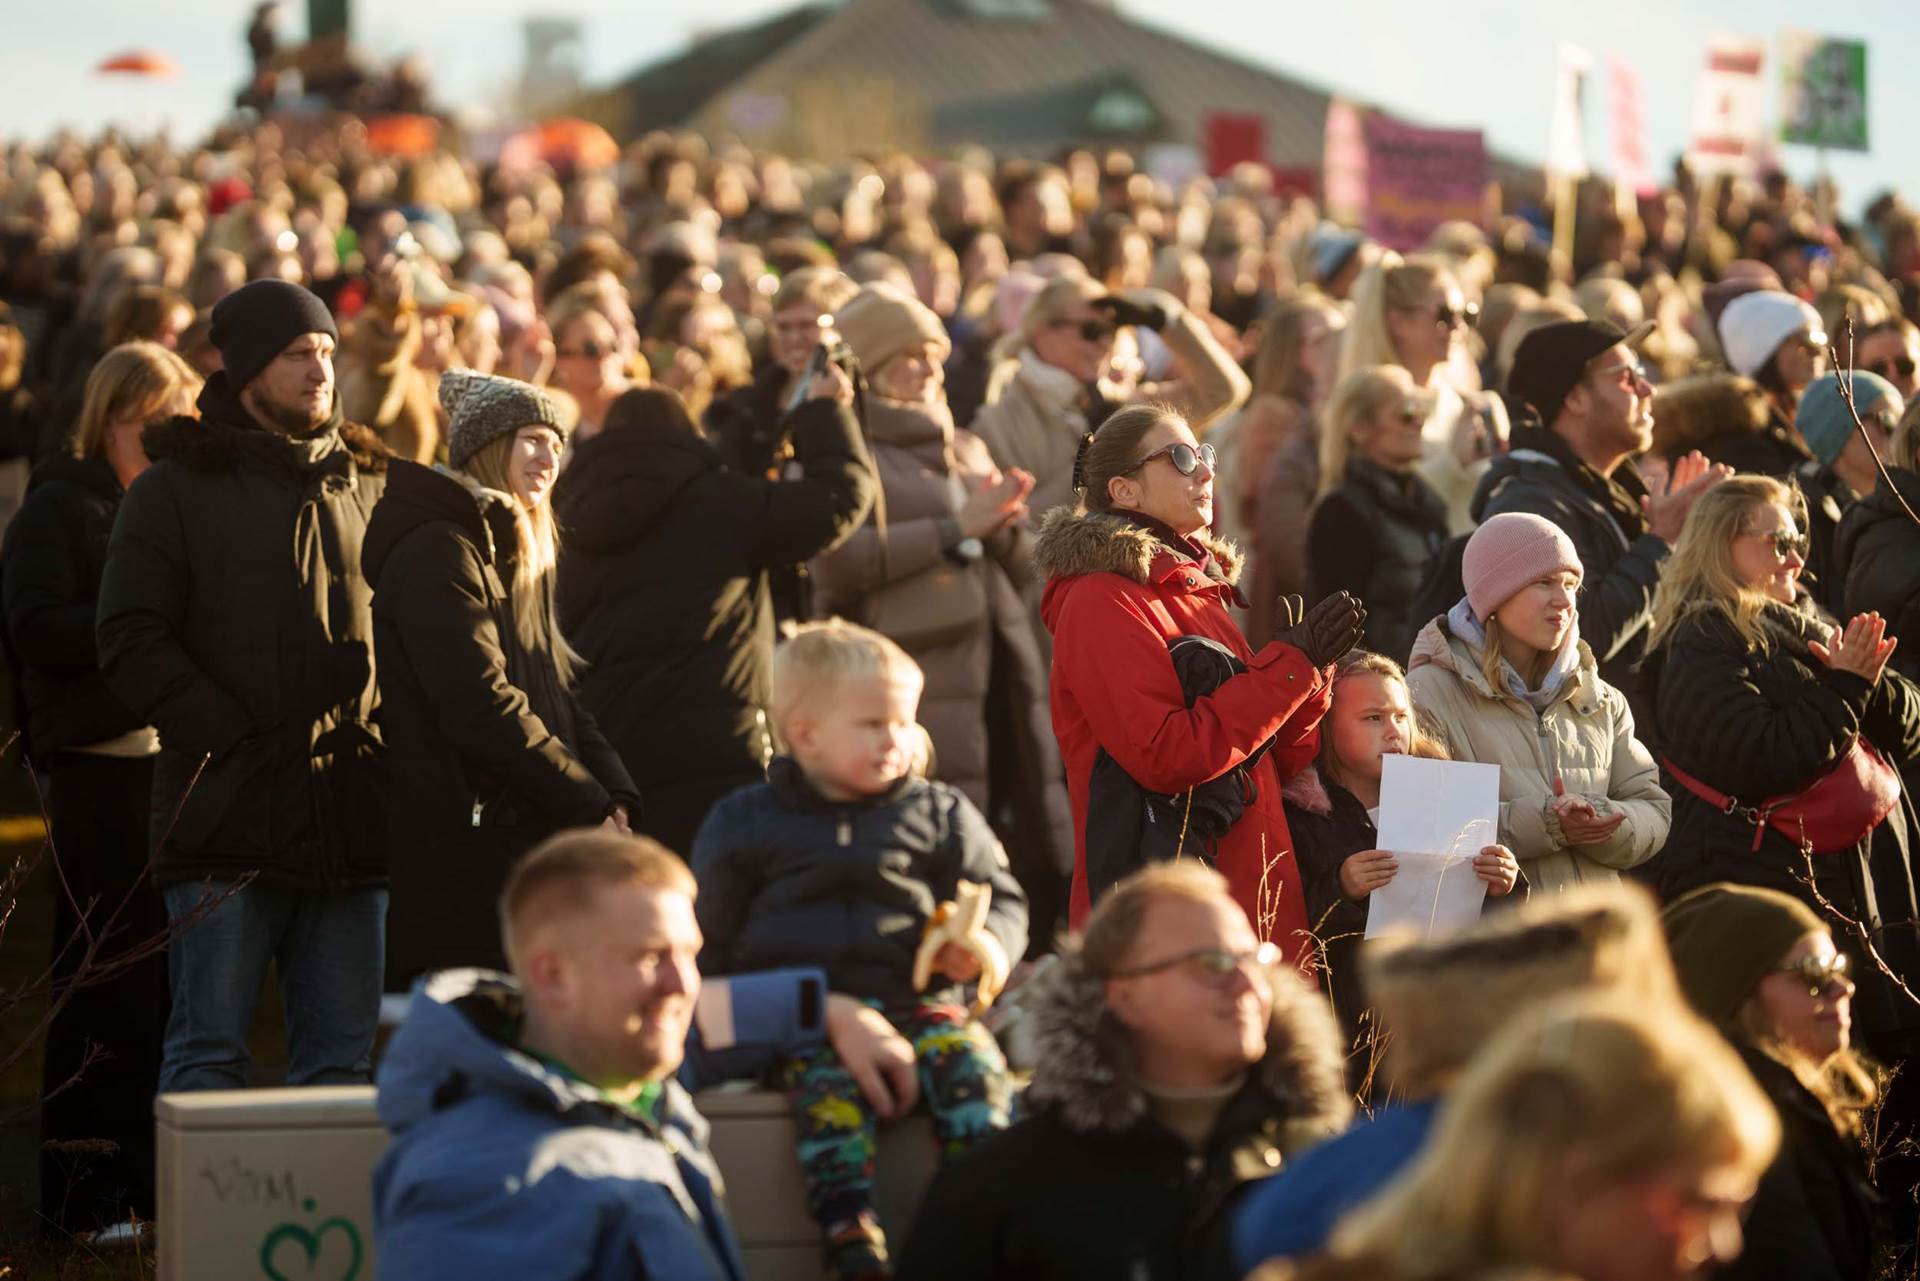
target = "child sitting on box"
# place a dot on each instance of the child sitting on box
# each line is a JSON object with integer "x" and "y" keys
{"x": 839, "y": 860}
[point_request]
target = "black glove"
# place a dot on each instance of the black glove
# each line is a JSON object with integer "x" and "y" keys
{"x": 1124, "y": 312}
{"x": 1324, "y": 633}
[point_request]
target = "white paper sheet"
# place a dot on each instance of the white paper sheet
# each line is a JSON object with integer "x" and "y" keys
{"x": 1435, "y": 816}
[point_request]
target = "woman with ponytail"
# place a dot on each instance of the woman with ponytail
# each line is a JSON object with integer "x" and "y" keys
{"x": 1130, "y": 572}
{"x": 492, "y": 753}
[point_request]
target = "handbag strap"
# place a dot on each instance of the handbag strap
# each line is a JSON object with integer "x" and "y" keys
{"x": 1728, "y": 805}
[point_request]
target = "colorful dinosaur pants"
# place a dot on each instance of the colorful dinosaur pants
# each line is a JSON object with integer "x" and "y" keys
{"x": 963, "y": 1083}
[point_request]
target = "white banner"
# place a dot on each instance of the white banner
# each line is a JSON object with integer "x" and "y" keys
{"x": 1729, "y": 108}
{"x": 1567, "y": 150}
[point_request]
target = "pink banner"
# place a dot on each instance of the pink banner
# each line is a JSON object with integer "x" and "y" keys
{"x": 1629, "y": 130}
{"x": 1419, "y": 178}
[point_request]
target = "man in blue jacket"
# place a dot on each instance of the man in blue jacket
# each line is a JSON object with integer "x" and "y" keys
{"x": 538, "y": 1125}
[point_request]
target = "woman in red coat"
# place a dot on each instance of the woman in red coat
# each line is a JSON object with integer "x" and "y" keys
{"x": 1129, "y": 571}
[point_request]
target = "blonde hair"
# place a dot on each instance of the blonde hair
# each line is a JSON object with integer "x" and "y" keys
{"x": 1277, "y": 370}
{"x": 1391, "y": 284}
{"x": 1055, "y": 299}
{"x": 534, "y": 616}
{"x": 813, "y": 662}
{"x": 1364, "y": 662}
{"x": 1843, "y": 1084}
{"x": 1356, "y": 398}
{"x": 1115, "y": 922}
{"x": 824, "y": 288}
{"x": 1114, "y": 450}
{"x": 1699, "y": 577}
{"x": 135, "y": 381}
{"x": 1596, "y": 1087}
{"x": 564, "y": 873}
{"x": 1441, "y": 1000}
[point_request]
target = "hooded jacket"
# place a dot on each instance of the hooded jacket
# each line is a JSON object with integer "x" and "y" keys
{"x": 788, "y": 877}
{"x": 1876, "y": 566}
{"x": 1758, "y": 723}
{"x": 501, "y": 1165}
{"x": 1584, "y": 737}
{"x": 491, "y": 754}
{"x": 234, "y": 619}
{"x": 55, "y": 553}
{"x": 1329, "y": 826}
{"x": 1092, "y": 1185}
{"x": 664, "y": 591}
{"x": 1115, "y": 596}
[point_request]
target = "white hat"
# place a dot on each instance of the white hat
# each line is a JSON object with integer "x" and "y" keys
{"x": 1755, "y": 324}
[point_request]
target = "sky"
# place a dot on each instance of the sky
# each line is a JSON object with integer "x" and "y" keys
{"x": 1486, "y": 64}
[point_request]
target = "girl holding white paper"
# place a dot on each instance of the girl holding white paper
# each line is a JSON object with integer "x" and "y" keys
{"x": 1504, "y": 679}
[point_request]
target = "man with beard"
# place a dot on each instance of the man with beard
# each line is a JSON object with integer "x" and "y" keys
{"x": 233, "y": 618}
{"x": 1586, "y": 412}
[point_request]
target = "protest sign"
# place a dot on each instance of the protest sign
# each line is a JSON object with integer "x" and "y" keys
{"x": 1823, "y": 88}
{"x": 1435, "y": 816}
{"x": 1419, "y": 178}
{"x": 1629, "y": 131}
{"x": 1345, "y": 157}
{"x": 1567, "y": 149}
{"x": 1729, "y": 106}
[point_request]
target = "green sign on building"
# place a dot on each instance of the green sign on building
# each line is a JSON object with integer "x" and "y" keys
{"x": 1823, "y": 91}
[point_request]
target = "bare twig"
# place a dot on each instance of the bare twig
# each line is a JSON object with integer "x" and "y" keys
{"x": 1845, "y": 386}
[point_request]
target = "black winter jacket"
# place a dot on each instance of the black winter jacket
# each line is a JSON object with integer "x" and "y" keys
{"x": 490, "y": 752}
{"x": 234, "y": 619}
{"x": 1759, "y": 724}
{"x": 56, "y": 551}
{"x": 664, "y": 584}
{"x": 1828, "y": 501}
{"x": 1374, "y": 535}
{"x": 1876, "y": 560}
{"x": 1091, "y": 1186}
{"x": 788, "y": 878}
{"x": 1775, "y": 450}
{"x": 1814, "y": 1217}
{"x": 1329, "y": 826}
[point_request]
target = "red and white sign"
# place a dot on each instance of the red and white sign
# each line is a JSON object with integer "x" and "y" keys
{"x": 1629, "y": 131}
{"x": 1729, "y": 108}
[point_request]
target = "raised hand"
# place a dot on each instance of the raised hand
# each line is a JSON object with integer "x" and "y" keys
{"x": 1327, "y": 631}
{"x": 1862, "y": 649}
{"x": 1691, "y": 476}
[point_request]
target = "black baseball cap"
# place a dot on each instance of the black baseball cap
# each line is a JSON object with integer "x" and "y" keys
{"x": 1553, "y": 358}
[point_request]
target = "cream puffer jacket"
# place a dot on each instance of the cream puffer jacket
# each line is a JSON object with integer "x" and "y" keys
{"x": 1585, "y": 736}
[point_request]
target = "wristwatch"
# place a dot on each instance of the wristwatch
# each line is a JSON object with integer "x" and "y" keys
{"x": 967, "y": 551}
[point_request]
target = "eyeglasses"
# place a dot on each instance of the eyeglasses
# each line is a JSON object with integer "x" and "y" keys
{"x": 1900, "y": 367}
{"x": 1454, "y": 317}
{"x": 1091, "y": 330}
{"x": 1786, "y": 542}
{"x": 1820, "y": 972}
{"x": 1636, "y": 372}
{"x": 1813, "y": 341}
{"x": 1185, "y": 458}
{"x": 1211, "y": 966}
{"x": 590, "y": 350}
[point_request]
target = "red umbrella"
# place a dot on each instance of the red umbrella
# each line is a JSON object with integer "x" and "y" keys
{"x": 141, "y": 62}
{"x": 563, "y": 143}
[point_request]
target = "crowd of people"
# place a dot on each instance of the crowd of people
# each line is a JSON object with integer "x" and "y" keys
{"x": 888, "y": 586}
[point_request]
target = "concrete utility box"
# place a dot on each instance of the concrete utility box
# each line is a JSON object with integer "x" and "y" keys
{"x": 277, "y": 1184}
{"x": 267, "y": 1183}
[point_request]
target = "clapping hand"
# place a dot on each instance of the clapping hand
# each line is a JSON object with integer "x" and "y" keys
{"x": 1580, "y": 822}
{"x": 1327, "y": 631}
{"x": 1862, "y": 649}
{"x": 1690, "y": 476}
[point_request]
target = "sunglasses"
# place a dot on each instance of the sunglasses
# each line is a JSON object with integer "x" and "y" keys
{"x": 1786, "y": 542}
{"x": 1454, "y": 317}
{"x": 1900, "y": 367}
{"x": 589, "y": 350}
{"x": 1185, "y": 458}
{"x": 1636, "y": 373}
{"x": 1091, "y": 330}
{"x": 1820, "y": 972}
{"x": 1814, "y": 342}
{"x": 1211, "y": 966}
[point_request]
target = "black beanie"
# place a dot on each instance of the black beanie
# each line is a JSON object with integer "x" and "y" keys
{"x": 1726, "y": 937}
{"x": 259, "y": 320}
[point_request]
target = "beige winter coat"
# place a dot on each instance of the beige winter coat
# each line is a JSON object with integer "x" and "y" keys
{"x": 1585, "y": 737}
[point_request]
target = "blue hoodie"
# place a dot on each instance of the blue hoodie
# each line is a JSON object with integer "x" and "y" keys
{"x": 502, "y": 1166}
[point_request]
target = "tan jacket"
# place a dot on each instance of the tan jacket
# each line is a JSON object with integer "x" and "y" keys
{"x": 1585, "y": 737}
{"x": 382, "y": 387}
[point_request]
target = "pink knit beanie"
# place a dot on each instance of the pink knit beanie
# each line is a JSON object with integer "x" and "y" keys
{"x": 1508, "y": 552}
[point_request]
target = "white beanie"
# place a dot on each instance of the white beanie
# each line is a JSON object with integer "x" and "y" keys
{"x": 1755, "y": 324}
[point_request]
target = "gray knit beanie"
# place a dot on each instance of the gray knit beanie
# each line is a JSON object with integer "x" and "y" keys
{"x": 481, "y": 408}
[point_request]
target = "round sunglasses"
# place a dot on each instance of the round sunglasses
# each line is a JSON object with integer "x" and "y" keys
{"x": 1820, "y": 972}
{"x": 1785, "y": 542}
{"x": 1185, "y": 458}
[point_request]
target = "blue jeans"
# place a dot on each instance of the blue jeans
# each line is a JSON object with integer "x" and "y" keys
{"x": 330, "y": 949}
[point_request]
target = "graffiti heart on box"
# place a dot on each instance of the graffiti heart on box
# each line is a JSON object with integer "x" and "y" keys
{"x": 330, "y": 1250}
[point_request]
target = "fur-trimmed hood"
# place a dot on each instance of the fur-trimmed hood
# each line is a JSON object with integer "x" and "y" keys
{"x": 1308, "y": 791}
{"x": 225, "y": 434}
{"x": 1080, "y": 1069}
{"x": 1073, "y": 541}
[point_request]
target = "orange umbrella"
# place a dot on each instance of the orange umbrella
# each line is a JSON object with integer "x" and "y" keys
{"x": 564, "y": 143}
{"x": 403, "y": 135}
{"x": 141, "y": 62}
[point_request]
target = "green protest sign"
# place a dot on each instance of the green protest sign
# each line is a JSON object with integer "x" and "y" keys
{"x": 1824, "y": 91}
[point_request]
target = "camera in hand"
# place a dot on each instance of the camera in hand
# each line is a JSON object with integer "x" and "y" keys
{"x": 832, "y": 350}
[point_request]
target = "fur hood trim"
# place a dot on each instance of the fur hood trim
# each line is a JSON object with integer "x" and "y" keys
{"x": 206, "y": 446}
{"x": 1081, "y": 1069}
{"x": 1074, "y": 541}
{"x": 1308, "y": 791}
